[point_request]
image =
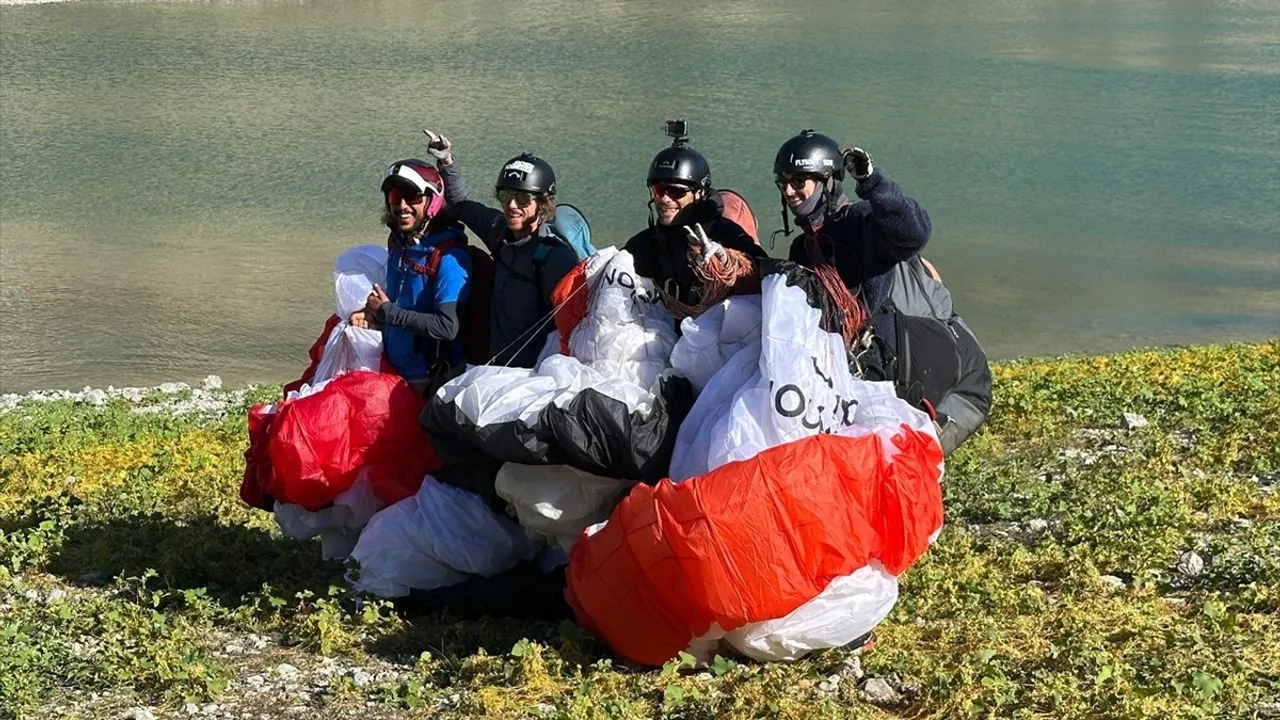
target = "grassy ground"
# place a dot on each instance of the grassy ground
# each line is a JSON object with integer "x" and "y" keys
{"x": 1087, "y": 571}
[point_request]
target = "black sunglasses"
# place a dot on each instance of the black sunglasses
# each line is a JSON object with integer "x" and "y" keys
{"x": 797, "y": 182}
{"x": 675, "y": 192}
{"x": 522, "y": 198}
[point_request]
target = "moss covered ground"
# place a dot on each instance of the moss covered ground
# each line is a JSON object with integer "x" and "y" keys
{"x": 1089, "y": 568}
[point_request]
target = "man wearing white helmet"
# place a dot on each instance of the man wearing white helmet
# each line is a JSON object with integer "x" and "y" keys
{"x": 428, "y": 270}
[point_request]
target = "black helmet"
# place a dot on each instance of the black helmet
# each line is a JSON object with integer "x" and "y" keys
{"x": 810, "y": 152}
{"x": 680, "y": 163}
{"x": 528, "y": 173}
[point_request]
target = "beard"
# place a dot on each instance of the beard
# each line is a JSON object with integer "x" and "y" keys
{"x": 392, "y": 221}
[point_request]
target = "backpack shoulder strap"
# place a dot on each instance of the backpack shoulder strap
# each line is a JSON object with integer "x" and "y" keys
{"x": 437, "y": 254}
{"x": 543, "y": 251}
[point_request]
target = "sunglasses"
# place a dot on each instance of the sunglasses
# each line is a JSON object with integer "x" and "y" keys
{"x": 395, "y": 195}
{"x": 796, "y": 182}
{"x": 522, "y": 198}
{"x": 675, "y": 192}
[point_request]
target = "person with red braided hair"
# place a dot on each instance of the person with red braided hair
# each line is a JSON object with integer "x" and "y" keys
{"x": 428, "y": 270}
{"x": 860, "y": 242}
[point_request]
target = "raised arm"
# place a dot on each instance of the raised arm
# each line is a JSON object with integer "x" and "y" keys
{"x": 486, "y": 222}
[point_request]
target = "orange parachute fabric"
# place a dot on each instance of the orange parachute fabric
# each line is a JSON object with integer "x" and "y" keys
{"x": 753, "y": 540}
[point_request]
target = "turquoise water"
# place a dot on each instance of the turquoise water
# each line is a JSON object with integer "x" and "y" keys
{"x": 177, "y": 177}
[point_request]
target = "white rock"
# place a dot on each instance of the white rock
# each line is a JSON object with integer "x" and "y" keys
{"x": 1190, "y": 564}
{"x": 1037, "y": 525}
{"x": 1113, "y": 581}
{"x": 361, "y": 678}
{"x": 210, "y": 708}
{"x": 255, "y": 680}
{"x": 879, "y": 692}
{"x": 233, "y": 649}
{"x": 286, "y": 671}
{"x": 1133, "y": 421}
{"x": 139, "y": 714}
{"x": 852, "y": 667}
{"x": 97, "y": 398}
{"x": 191, "y": 708}
{"x": 211, "y": 382}
{"x": 56, "y": 594}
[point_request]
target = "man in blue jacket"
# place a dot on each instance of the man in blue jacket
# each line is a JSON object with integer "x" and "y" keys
{"x": 863, "y": 240}
{"x": 428, "y": 269}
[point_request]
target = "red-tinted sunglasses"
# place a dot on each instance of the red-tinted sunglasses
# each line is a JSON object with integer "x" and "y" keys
{"x": 675, "y": 192}
{"x": 395, "y": 195}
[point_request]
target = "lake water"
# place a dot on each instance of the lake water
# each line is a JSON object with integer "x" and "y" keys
{"x": 178, "y": 177}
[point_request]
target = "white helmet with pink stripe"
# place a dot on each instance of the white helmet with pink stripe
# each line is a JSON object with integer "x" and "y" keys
{"x": 419, "y": 178}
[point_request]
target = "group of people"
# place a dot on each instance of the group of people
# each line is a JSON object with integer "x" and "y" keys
{"x": 896, "y": 315}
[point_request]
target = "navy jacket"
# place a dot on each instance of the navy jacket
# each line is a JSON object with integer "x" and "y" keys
{"x": 522, "y": 286}
{"x": 865, "y": 240}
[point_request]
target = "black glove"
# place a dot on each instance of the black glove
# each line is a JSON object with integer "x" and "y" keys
{"x": 857, "y": 162}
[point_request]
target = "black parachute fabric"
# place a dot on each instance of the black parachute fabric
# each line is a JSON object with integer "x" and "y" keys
{"x": 599, "y": 401}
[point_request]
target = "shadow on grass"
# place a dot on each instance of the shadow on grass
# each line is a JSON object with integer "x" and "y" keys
{"x": 230, "y": 561}
{"x": 485, "y": 613}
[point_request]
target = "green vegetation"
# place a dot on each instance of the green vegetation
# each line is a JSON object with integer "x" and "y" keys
{"x": 1087, "y": 570}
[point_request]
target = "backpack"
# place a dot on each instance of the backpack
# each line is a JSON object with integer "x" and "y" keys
{"x": 939, "y": 361}
{"x": 737, "y": 210}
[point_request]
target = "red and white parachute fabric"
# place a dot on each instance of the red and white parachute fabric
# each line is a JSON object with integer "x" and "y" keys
{"x": 345, "y": 441}
{"x": 798, "y": 494}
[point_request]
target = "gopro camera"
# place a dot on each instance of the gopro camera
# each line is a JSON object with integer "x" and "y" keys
{"x": 678, "y": 129}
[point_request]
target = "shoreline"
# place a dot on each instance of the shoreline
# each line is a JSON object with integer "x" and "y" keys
{"x": 209, "y": 395}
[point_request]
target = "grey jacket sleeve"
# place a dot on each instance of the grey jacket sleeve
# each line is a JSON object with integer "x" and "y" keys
{"x": 485, "y": 222}
{"x": 440, "y": 325}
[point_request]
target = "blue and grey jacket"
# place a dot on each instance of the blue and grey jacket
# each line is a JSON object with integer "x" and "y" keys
{"x": 420, "y": 323}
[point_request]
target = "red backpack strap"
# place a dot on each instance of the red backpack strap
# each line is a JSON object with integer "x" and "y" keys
{"x": 437, "y": 253}
{"x": 432, "y": 265}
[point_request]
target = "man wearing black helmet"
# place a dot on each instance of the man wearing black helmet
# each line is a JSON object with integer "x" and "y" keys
{"x": 683, "y": 207}
{"x": 529, "y": 257}
{"x": 863, "y": 240}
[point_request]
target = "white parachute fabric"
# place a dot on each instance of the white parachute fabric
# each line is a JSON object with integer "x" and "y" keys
{"x": 627, "y": 333}
{"x": 708, "y": 341}
{"x": 789, "y": 381}
{"x": 338, "y": 526}
{"x": 350, "y": 348}
{"x": 850, "y": 607}
{"x": 438, "y": 537}
{"x": 609, "y": 407}
{"x": 619, "y": 348}
{"x": 354, "y": 274}
{"x": 555, "y": 503}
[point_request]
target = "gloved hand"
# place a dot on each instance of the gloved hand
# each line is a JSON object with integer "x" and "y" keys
{"x": 705, "y": 246}
{"x": 439, "y": 147}
{"x": 857, "y": 162}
